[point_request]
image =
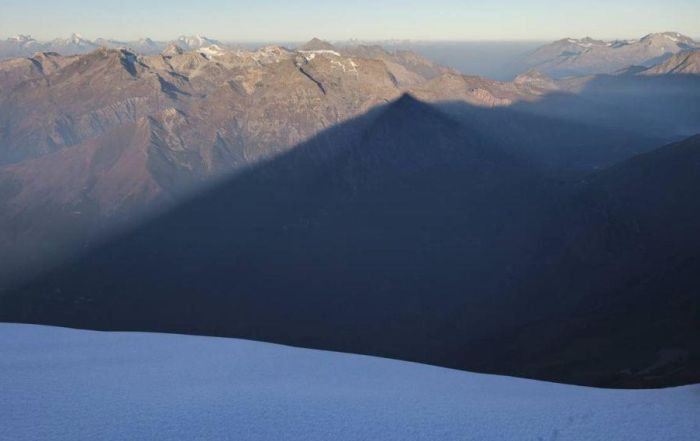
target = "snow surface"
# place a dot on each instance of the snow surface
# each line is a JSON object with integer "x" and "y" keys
{"x": 61, "y": 384}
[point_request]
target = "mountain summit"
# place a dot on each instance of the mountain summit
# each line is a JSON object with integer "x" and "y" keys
{"x": 316, "y": 44}
{"x": 193, "y": 42}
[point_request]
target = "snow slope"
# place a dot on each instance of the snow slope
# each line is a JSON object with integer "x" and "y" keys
{"x": 60, "y": 384}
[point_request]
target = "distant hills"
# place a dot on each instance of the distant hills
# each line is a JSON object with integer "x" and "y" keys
{"x": 572, "y": 57}
{"x": 562, "y": 58}
{"x": 26, "y": 46}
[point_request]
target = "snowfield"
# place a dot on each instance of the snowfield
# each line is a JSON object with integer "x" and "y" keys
{"x": 61, "y": 384}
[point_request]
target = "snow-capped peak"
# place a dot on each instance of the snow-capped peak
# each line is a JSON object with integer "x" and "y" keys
{"x": 211, "y": 51}
{"x": 668, "y": 38}
{"x": 196, "y": 41}
{"x": 192, "y": 40}
{"x": 21, "y": 38}
{"x": 76, "y": 38}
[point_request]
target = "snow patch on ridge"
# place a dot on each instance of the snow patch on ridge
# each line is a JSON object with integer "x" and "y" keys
{"x": 211, "y": 51}
{"x": 320, "y": 51}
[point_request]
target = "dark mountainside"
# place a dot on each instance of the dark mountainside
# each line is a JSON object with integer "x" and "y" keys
{"x": 655, "y": 105}
{"x": 408, "y": 233}
{"x": 623, "y": 281}
{"x": 90, "y": 144}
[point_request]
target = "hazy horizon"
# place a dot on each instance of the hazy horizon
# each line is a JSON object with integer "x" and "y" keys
{"x": 261, "y": 42}
{"x": 416, "y": 20}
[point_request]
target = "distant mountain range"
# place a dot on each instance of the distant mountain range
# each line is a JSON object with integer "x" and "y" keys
{"x": 562, "y": 58}
{"x": 26, "y": 46}
{"x": 572, "y": 57}
{"x": 356, "y": 199}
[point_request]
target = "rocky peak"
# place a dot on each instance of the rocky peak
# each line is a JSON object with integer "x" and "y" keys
{"x": 668, "y": 38}
{"x": 78, "y": 40}
{"x": 172, "y": 50}
{"x": 196, "y": 42}
{"x": 316, "y": 44}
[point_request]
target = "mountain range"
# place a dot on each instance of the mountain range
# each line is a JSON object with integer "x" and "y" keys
{"x": 573, "y": 57}
{"x": 562, "y": 58}
{"x": 355, "y": 199}
{"x": 90, "y": 140}
{"x": 26, "y": 46}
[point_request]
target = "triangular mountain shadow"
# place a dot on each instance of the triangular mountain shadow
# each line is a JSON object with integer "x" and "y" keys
{"x": 375, "y": 236}
{"x": 402, "y": 233}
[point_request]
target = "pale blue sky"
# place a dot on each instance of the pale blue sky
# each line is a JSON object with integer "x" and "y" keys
{"x": 278, "y": 20}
